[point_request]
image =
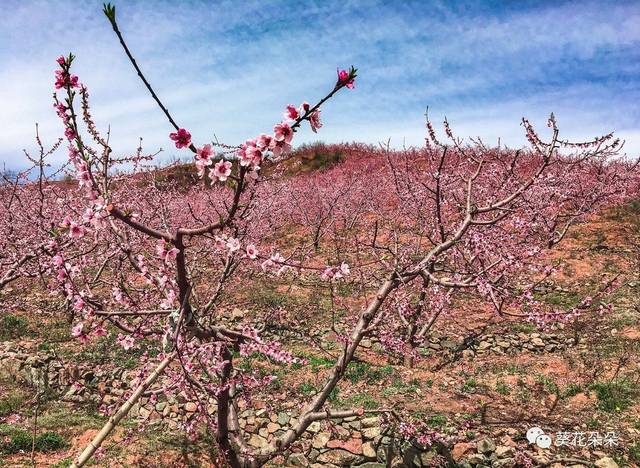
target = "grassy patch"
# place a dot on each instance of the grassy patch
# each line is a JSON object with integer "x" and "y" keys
{"x": 437, "y": 420}
{"x": 360, "y": 400}
{"x": 13, "y": 326}
{"x": 15, "y": 440}
{"x": 11, "y": 402}
{"x": 634, "y": 452}
{"x": 502, "y": 388}
{"x": 614, "y": 396}
{"x": 572, "y": 390}
{"x": 363, "y": 371}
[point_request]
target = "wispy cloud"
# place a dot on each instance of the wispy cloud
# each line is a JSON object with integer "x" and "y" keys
{"x": 230, "y": 67}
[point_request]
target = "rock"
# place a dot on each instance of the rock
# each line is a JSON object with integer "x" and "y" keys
{"x": 368, "y": 450}
{"x": 338, "y": 457}
{"x": 320, "y": 440}
{"x": 237, "y": 314}
{"x": 257, "y": 441}
{"x": 370, "y": 422}
{"x": 297, "y": 459}
{"x": 272, "y": 427}
{"x": 486, "y": 446}
{"x": 372, "y": 465}
{"x": 468, "y": 355}
{"x": 351, "y": 445}
{"x": 283, "y": 419}
{"x": 505, "y": 452}
{"x": 263, "y": 432}
{"x": 190, "y": 407}
{"x": 484, "y": 345}
{"x": 537, "y": 342}
{"x": 314, "y": 427}
{"x": 461, "y": 449}
{"x": 606, "y": 462}
{"x": 476, "y": 459}
{"x": 504, "y": 463}
{"x": 371, "y": 432}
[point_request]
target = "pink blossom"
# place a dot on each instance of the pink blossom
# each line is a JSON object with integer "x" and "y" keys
{"x": 280, "y": 147}
{"x": 181, "y": 137}
{"x": 264, "y": 141}
{"x": 60, "y": 60}
{"x": 220, "y": 243}
{"x": 201, "y": 167}
{"x": 63, "y": 79}
{"x": 205, "y": 153}
{"x": 291, "y": 113}
{"x": 61, "y": 110}
{"x": 126, "y": 341}
{"x": 314, "y": 120}
{"x": 344, "y": 269}
{"x": 252, "y": 252}
{"x": 77, "y": 330}
{"x": 58, "y": 260}
{"x": 75, "y": 230}
{"x": 222, "y": 170}
{"x": 327, "y": 274}
{"x": 69, "y": 133}
{"x": 343, "y": 78}
{"x": 233, "y": 244}
{"x": 78, "y": 304}
{"x": 304, "y": 107}
{"x": 251, "y": 156}
{"x": 283, "y": 132}
{"x": 247, "y": 153}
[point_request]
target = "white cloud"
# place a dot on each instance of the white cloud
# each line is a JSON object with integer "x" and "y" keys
{"x": 230, "y": 67}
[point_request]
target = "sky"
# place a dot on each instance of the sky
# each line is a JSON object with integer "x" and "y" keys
{"x": 227, "y": 69}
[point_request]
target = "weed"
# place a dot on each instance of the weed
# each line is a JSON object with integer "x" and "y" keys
{"x": 17, "y": 440}
{"x": 13, "y": 326}
{"x": 470, "y": 386}
{"x": 307, "y": 388}
{"x": 437, "y": 420}
{"x": 614, "y": 396}
{"x": 502, "y": 388}
{"x": 634, "y": 452}
{"x": 359, "y": 371}
{"x": 572, "y": 390}
{"x": 11, "y": 403}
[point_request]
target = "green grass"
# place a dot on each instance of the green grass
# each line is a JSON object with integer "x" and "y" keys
{"x": 502, "y": 388}
{"x": 14, "y": 440}
{"x": 470, "y": 386}
{"x": 614, "y": 396}
{"x": 437, "y": 420}
{"x": 307, "y": 388}
{"x": 363, "y": 371}
{"x": 634, "y": 452}
{"x": 11, "y": 402}
{"x": 523, "y": 328}
{"x": 13, "y": 326}
{"x": 572, "y": 390}
{"x": 360, "y": 400}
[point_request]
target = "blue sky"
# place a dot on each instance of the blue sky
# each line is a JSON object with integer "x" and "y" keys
{"x": 230, "y": 67}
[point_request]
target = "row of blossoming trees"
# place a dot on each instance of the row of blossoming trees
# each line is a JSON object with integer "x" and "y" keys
{"x": 164, "y": 264}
